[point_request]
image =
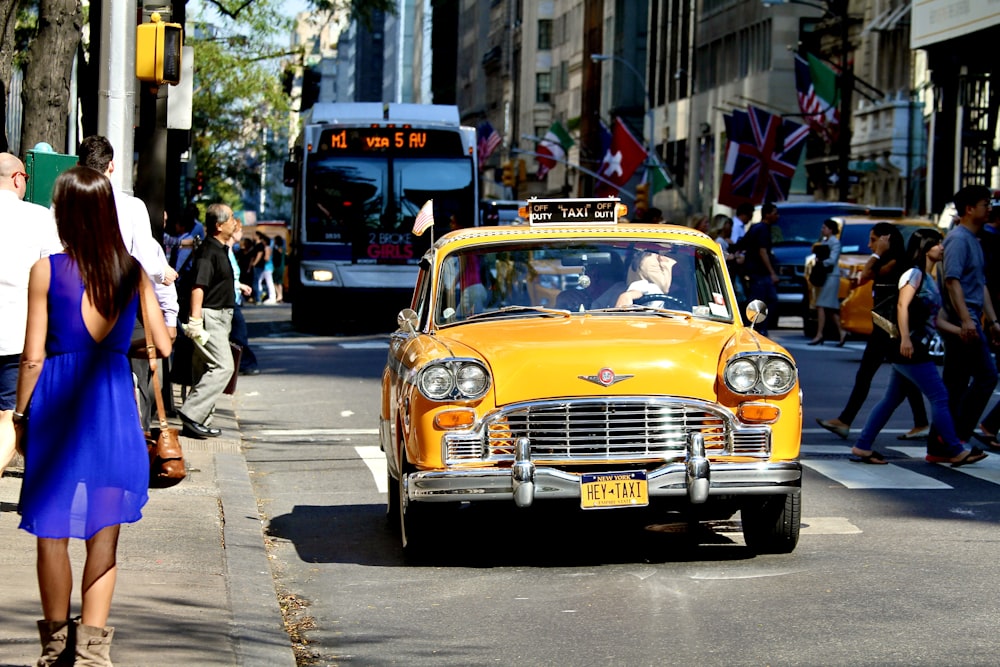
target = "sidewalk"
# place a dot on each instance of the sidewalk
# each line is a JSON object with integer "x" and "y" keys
{"x": 194, "y": 581}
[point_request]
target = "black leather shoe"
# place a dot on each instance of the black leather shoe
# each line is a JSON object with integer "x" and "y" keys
{"x": 250, "y": 371}
{"x": 193, "y": 429}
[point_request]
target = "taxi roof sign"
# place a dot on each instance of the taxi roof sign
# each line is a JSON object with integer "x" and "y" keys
{"x": 600, "y": 211}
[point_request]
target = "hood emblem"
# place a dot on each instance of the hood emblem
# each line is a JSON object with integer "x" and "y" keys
{"x": 605, "y": 377}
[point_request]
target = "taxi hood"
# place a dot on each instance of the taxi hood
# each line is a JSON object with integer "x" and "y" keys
{"x": 541, "y": 358}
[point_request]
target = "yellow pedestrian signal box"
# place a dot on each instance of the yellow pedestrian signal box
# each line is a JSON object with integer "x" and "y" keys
{"x": 508, "y": 173}
{"x": 642, "y": 196}
{"x": 158, "y": 51}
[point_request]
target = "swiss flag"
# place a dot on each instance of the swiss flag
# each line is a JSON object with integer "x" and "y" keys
{"x": 620, "y": 162}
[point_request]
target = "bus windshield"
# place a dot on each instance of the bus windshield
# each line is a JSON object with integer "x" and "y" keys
{"x": 370, "y": 203}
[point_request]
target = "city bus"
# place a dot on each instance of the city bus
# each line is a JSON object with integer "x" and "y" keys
{"x": 360, "y": 173}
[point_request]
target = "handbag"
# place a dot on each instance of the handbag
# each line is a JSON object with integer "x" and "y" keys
{"x": 884, "y": 322}
{"x": 166, "y": 458}
{"x": 818, "y": 274}
{"x": 237, "y": 351}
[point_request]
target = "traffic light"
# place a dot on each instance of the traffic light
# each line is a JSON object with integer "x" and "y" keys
{"x": 522, "y": 171}
{"x": 642, "y": 197}
{"x": 158, "y": 51}
{"x": 508, "y": 173}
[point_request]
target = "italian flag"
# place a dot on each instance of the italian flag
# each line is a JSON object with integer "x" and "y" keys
{"x": 553, "y": 148}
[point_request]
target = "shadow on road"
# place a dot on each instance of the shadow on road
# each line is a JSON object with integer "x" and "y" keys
{"x": 495, "y": 536}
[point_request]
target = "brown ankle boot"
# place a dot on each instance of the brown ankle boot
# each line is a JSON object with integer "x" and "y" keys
{"x": 93, "y": 645}
{"x": 57, "y": 650}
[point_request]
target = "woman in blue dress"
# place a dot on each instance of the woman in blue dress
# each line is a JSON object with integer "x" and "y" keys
{"x": 86, "y": 463}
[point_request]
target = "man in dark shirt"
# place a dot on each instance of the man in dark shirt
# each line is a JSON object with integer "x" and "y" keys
{"x": 212, "y": 301}
{"x": 761, "y": 277}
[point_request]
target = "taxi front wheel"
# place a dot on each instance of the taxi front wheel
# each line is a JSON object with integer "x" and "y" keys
{"x": 771, "y": 523}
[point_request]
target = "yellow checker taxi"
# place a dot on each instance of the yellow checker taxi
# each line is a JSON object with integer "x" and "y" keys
{"x": 577, "y": 358}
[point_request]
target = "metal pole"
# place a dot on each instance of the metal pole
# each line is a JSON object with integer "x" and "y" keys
{"x": 116, "y": 85}
{"x": 846, "y": 88}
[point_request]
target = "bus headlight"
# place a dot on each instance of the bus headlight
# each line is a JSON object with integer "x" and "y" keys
{"x": 321, "y": 275}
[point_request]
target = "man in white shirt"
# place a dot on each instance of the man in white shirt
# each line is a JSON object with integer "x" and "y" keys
{"x": 741, "y": 222}
{"x": 137, "y": 233}
{"x": 29, "y": 233}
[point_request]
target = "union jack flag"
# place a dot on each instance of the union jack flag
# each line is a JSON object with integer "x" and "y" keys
{"x": 761, "y": 157}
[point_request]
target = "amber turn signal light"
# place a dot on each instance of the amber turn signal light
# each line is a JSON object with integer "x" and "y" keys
{"x": 452, "y": 419}
{"x": 758, "y": 413}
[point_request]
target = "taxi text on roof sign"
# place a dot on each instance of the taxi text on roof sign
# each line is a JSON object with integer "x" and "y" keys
{"x": 604, "y": 211}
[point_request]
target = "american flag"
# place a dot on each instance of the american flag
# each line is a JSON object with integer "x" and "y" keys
{"x": 488, "y": 140}
{"x": 818, "y": 93}
{"x": 761, "y": 157}
{"x": 424, "y": 219}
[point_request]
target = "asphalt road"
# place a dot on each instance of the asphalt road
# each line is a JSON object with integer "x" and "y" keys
{"x": 895, "y": 565}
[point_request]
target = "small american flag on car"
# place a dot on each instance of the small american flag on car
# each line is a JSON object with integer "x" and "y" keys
{"x": 424, "y": 219}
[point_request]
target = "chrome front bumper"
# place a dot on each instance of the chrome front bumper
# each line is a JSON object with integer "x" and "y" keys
{"x": 524, "y": 482}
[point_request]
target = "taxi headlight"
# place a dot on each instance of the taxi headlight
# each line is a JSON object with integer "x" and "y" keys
{"x": 454, "y": 379}
{"x": 741, "y": 375}
{"x": 437, "y": 382}
{"x": 472, "y": 380}
{"x": 766, "y": 374}
{"x": 778, "y": 375}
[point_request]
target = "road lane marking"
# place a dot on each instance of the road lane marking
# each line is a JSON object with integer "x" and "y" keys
{"x": 375, "y": 460}
{"x": 366, "y": 345}
{"x": 828, "y": 525}
{"x": 291, "y": 345}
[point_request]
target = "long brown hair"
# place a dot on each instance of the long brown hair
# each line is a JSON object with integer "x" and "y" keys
{"x": 88, "y": 225}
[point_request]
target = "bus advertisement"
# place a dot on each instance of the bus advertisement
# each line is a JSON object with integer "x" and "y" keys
{"x": 361, "y": 172}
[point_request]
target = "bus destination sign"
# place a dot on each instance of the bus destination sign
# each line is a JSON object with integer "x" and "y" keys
{"x": 573, "y": 211}
{"x": 390, "y": 140}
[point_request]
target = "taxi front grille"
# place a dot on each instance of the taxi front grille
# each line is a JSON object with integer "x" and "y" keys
{"x": 600, "y": 429}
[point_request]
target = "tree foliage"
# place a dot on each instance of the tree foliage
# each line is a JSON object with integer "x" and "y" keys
{"x": 238, "y": 99}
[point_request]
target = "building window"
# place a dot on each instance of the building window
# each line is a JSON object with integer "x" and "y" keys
{"x": 544, "y": 34}
{"x": 543, "y": 87}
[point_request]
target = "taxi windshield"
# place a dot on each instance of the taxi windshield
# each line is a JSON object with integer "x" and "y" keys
{"x": 599, "y": 278}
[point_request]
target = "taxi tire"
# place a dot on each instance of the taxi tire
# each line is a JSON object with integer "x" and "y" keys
{"x": 771, "y": 523}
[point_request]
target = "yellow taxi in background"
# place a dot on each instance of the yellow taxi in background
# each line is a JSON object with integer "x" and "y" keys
{"x": 575, "y": 358}
{"x": 856, "y": 302}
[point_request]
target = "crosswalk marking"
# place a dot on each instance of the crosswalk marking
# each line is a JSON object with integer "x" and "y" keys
{"x": 375, "y": 460}
{"x": 299, "y": 432}
{"x": 988, "y": 469}
{"x": 861, "y": 476}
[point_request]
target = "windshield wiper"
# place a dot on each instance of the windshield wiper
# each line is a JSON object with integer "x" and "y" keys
{"x": 641, "y": 308}
{"x": 531, "y": 310}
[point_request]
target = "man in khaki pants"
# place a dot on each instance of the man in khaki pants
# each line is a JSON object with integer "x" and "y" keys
{"x": 210, "y": 320}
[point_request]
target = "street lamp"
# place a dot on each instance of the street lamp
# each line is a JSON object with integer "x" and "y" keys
{"x": 600, "y": 57}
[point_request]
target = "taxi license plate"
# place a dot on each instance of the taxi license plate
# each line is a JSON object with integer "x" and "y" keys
{"x": 614, "y": 489}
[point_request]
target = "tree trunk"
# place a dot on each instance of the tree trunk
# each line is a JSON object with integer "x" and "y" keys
{"x": 8, "y": 17}
{"x": 48, "y": 73}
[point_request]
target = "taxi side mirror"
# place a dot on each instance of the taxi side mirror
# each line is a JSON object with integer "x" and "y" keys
{"x": 407, "y": 320}
{"x": 756, "y": 311}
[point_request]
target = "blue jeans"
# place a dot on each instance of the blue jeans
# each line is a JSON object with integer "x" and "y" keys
{"x": 970, "y": 374}
{"x": 923, "y": 375}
